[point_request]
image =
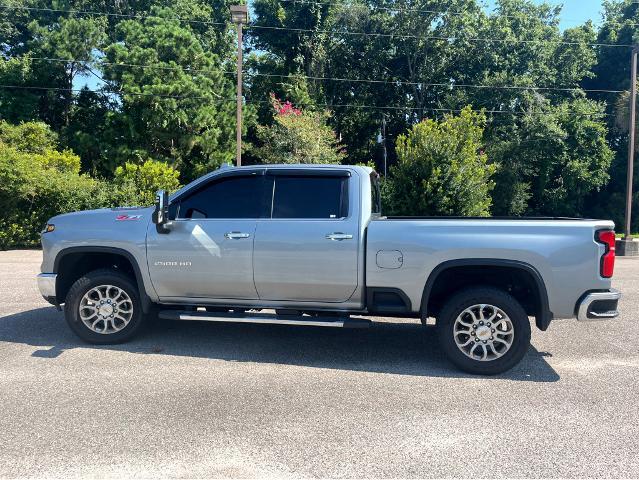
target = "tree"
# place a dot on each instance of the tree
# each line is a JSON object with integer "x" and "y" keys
{"x": 180, "y": 109}
{"x": 552, "y": 159}
{"x": 297, "y": 136}
{"x": 442, "y": 169}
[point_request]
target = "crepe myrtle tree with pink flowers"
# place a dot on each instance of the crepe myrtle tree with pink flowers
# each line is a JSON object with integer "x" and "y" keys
{"x": 297, "y": 136}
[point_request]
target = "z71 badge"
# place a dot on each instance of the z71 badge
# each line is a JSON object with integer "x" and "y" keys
{"x": 121, "y": 218}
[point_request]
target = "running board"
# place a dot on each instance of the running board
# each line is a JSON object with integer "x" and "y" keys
{"x": 265, "y": 318}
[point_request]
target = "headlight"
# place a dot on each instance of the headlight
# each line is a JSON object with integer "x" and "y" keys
{"x": 49, "y": 227}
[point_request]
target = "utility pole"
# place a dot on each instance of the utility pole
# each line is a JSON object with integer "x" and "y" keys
{"x": 239, "y": 16}
{"x": 381, "y": 138}
{"x": 631, "y": 139}
{"x": 384, "y": 140}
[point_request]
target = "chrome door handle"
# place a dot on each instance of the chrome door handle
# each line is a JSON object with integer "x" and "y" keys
{"x": 338, "y": 236}
{"x": 236, "y": 235}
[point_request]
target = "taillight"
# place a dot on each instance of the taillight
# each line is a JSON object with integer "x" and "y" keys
{"x": 607, "y": 266}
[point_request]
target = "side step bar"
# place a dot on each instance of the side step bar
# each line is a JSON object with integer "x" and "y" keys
{"x": 265, "y": 318}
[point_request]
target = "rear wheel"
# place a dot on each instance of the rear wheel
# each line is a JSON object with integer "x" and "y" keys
{"x": 104, "y": 307}
{"x": 484, "y": 330}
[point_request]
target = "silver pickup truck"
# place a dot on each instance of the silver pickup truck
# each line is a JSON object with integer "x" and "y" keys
{"x": 308, "y": 245}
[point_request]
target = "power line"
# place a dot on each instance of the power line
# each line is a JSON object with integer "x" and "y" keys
{"x": 109, "y": 14}
{"x": 324, "y": 105}
{"x": 344, "y": 5}
{"x": 338, "y": 79}
{"x": 448, "y": 38}
{"x": 137, "y": 94}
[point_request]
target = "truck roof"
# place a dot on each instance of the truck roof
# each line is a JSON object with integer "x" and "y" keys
{"x": 301, "y": 166}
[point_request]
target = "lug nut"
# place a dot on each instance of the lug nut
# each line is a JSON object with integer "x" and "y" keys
{"x": 484, "y": 341}
{"x": 488, "y": 324}
{"x": 481, "y": 323}
{"x": 490, "y": 337}
{"x": 492, "y": 330}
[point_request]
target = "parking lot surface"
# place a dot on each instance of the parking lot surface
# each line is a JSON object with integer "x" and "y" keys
{"x": 198, "y": 399}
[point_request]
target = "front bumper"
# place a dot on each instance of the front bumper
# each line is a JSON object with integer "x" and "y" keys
{"x": 599, "y": 305}
{"x": 46, "y": 285}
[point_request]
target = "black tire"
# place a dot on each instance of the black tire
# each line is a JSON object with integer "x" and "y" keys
{"x": 490, "y": 296}
{"x": 94, "y": 279}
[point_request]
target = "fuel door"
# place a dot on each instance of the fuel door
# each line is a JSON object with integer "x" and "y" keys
{"x": 390, "y": 259}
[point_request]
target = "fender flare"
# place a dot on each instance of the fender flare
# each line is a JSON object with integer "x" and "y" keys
{"x": 144, "y": 298}
{"x": 544, "y": 316}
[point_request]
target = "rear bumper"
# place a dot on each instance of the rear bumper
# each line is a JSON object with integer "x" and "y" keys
{"x": 46, "y": 285}
{"x": 600, "y": 305}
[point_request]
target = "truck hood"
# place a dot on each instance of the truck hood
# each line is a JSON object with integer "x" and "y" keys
{"x": 105, "y": 214}
{"x": 104, "y": 223}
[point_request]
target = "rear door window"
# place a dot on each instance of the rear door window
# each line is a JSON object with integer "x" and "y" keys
{"x": 310, "y": 197}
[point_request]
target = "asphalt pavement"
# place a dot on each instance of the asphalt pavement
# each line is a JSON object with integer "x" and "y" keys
{"x": 195, "y": 399}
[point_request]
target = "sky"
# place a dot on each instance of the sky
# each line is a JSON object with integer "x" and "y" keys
{"x": 574, "y": 12}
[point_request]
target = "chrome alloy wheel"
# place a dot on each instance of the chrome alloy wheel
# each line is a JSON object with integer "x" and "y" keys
{"x": 106, "y": 309}
{"x": 483, "y": 332}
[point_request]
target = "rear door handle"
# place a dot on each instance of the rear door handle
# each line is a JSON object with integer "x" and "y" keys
{"x": 236, "y": 235}
{"x": 338, "y": 236}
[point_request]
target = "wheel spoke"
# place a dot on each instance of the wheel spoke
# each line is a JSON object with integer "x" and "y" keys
{"x": 471, "y": 313}
{"x": 89, "y": 308}
{"x": 95, "y": 323}
{"x": 467, "y": 342}
{"x": 503, "y": 322}
{"x": 465, "y": 324}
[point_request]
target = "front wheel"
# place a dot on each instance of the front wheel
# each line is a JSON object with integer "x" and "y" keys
{"x": 103, "y": 307}
{"x": 484, "y": 330}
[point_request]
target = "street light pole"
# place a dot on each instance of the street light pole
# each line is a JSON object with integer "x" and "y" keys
{"x": 239, "y": 16}
{"x": 631, "y": 139}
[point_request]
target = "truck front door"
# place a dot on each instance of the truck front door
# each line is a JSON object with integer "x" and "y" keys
{"x": 308, "y": 249}
{"x": 209, "y": 251}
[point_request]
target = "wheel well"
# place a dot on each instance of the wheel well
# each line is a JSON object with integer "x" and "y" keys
{"x": 518, "y": 282}
{"x": 76, "y": 264}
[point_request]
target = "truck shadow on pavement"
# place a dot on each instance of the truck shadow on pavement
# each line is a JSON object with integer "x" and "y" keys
{"x": 394, "y": 348}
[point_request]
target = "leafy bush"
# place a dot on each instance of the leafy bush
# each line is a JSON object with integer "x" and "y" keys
{"x": 34, "y": 188}
{"x": 140, "y": 182}
{"x": 298, "y": 136}
{"x": 37, "y": 182}
{"x": 441, "y": 169}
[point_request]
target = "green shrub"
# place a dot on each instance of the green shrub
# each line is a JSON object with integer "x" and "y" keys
{"x": 138, "y": 183}
{"x": 35, "y": 187}
{"x": 441, "y": 169}
{"x": 38, "y": 181}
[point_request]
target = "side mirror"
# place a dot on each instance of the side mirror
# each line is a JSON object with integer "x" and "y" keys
{"x": 161, "y": 212}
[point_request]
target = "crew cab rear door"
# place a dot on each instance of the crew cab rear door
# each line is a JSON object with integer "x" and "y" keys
{"x": 308, "y": 249}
